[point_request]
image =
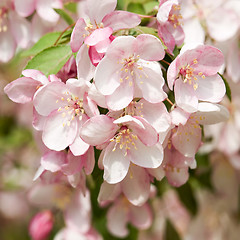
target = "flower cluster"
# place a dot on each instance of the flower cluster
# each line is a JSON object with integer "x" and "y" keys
{"x": 139, "y": 104}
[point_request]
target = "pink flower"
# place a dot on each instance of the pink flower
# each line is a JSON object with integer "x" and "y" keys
{"x": 127, "y": 139}
{"x": 129, "y": 70}
{"x": 99, "y": 22}
{"x": 41, "y": 225}
{"x": 209, "y": 18}
{"x": 23, "y": 89}
{"x": 67, "y": 107}
{"x": 137, "y": 179}
{"x": 169, "y": 24}
{"x": 194, "y": 77}
{"x": 187, "y": 137}
{"x": 122, "y": 212}
{"x": 14, "y": 31}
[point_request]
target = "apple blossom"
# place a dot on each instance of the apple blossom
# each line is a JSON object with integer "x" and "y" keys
{"x": 169, "y": 24}
{"x": 128, "y": 139}
{"x": 129, "y": 69}
{"x": 194, "y": 77}
{"x": 67, "y": 107}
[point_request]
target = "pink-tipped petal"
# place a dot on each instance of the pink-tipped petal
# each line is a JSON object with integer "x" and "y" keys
{"x": 149, "y": 47}
{"x": 137, "y": 179}
{"x": 22, "y": 90}
{"x": 121, "y": 97}
{"x": 121, "y": 20}
{"x": 147, "y": 157}
{"x": 78, "y": 35}
{"x": 141, "y": 217}
{"x": 24, "y": 8}
{"x": 106, "y": 76}
{"x": 57, "y": 134}
{"x": 98, "y": 130}
{"x": 211, "y": 89}
{"x": 115, "y": 164}
{"x": 185, "y": 96}
{"x": 36, "y": 75}
{"x": 98, "y": 35}
{"x": 150, "y": 81}
{"x": 52, "y": 160}
{"x": 98, "y": 9}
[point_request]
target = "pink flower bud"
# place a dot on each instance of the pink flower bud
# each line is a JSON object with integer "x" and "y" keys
{"x": 41, "y": 225}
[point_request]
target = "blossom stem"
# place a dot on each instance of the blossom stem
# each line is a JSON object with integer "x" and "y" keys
{"x": 145, "y": 16}
{"x": 169, "y": 101}
{"x": 63, "y": 33}
{"x": 165, "y": 62}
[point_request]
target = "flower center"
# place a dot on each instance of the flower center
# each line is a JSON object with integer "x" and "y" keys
{"x": 188, "y": 74}
{"x": 72, "y": 109}
{"x": 90, "y": 28}
{"x": 124, "y": 139}
{"x": 175, "y": 16}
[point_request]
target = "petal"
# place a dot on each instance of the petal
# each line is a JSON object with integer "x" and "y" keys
{"x": 57, "y": 135}
{"x": 137, "y": 179}
{"x": 78, "y": 35}
{"x": 211, "y": 89}
{"x": 108, "y": 192}
{"x": 36, "y": 75}
{"x": 150, "y": 81}
{"x": 209, "y": 113}
{"x": 77, "y": 215}
{"x": 98, "y": 35}
{"x": 121, "y": 20}
{"x": 22, "y": 90}
{"x": 115, "y": 164}
{"x": 85, "y": 68}
{"x": 144, "y": 156}
{"x": 48, "y": 98}
{"x": 185, "y": 96}
{"x": 155, "y": 113}
{"x": 149, "y": 47}
{"x": 209, "y": 59}
{"x": 121, "y": 97}
{"x": 216, "y": 25}
{"x": 52, "y": 160}
{"x": 7, "y": 46}
{"x": 45, "y": 10}
{"x": 90, "y": 107}
{"x": 120, "y": 48}
{"x": 179, "y": 116}
{"x": 106, "y": 76}
{"x": 78, "y": 147}
{"x": 141, "y": 217}
{"x": 117, "y": 218}
{"x": 98, "y": 9}
{"x": 177, "y": 176}
{"x": 172, "y": 73}
{"x": 24, "y": 8}
{"x": 147, "y": 135}
{"x": 187, "y": 139}
{"x": 21, "y": 30}
{"x": 98, "y": 130}
{"x": 72, "y": 165}
{"x": 38, "y": 121}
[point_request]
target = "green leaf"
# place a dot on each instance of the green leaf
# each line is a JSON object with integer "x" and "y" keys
{"x": 50, "y": 60}
{"x": 187, "y": 197}
{"x": 228, "y": 89}
{"x": 71, "y": 6}
{"x": 149, "y": 6}
{"x": 170, "y": 232}
{"x": 136, "y": 8}
{"x": 46, "y": 41}
{"x": 65, "y": 16}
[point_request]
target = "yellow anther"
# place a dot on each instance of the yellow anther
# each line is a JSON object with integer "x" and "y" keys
{"x": 130, "y": 83}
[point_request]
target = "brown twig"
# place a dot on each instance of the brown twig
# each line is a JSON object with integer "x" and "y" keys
{"x": 63, "y": 33}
